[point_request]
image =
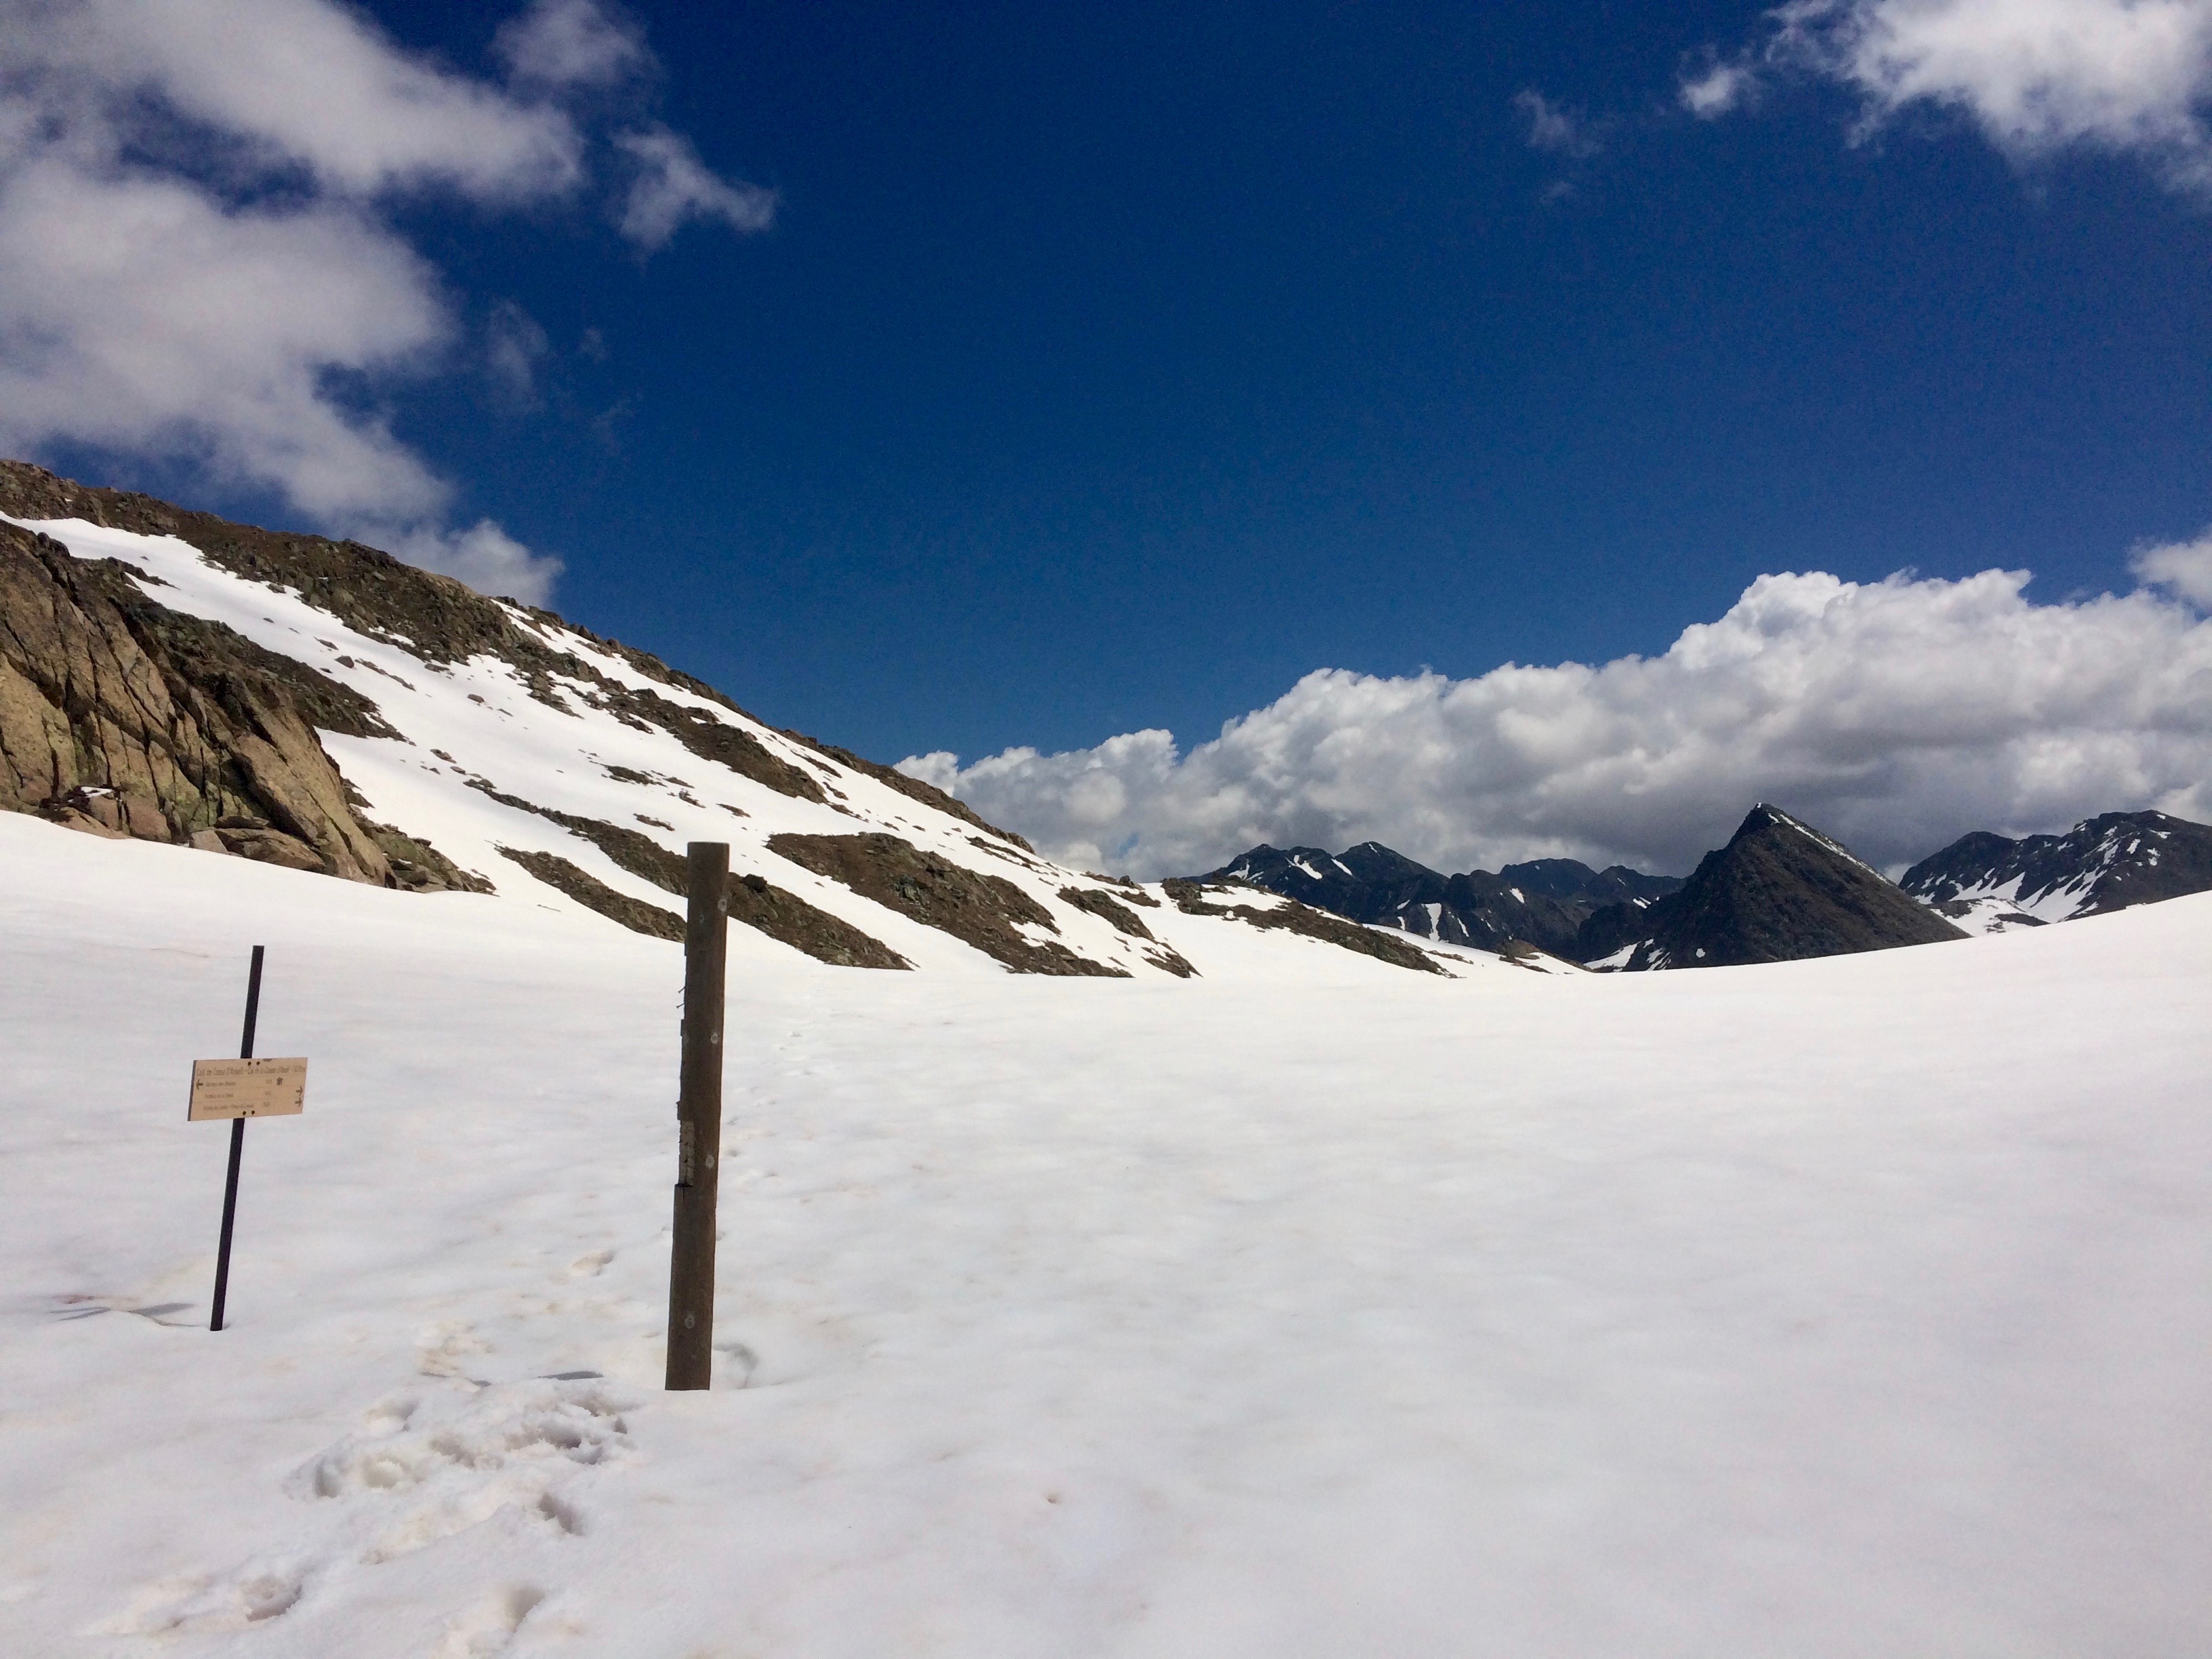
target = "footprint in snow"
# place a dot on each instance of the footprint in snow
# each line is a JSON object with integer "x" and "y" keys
{"x": 489, "y": 1624}
{"x": 263, "y": 1588}
{"x": 423, "y": 1470}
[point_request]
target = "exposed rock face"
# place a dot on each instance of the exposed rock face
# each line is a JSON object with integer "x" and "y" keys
{"x": 1544, "y": 901}
{"x": 1306, "y": 921}
{"x": 437, "y": 618}
{"x": 1607, "y": 931}
{"x": 2104, "y": 864}
{"x": 589, "y": 890}
{"x": 1110, "y": 909}
{"x": 1127, "y": 921}
{"x": 1779, "y": 891}
{"x": 985, "y": 911}
{"x": 119, "y": 715}
{"x": 758, "y": 903}
{"x": 754, "y": 900}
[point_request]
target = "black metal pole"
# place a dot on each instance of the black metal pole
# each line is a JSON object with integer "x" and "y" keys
{"x": 237, "y": 1148}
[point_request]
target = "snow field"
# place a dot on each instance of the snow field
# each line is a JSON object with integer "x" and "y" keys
{"x": 1847, "y": 1307}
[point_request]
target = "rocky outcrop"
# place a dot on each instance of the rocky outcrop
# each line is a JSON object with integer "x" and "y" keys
{"x": 782, "y": 915}
{"x": 436, "y": 618}
{"x": 587, "y": 889}
{"x": 987, "y": 912}
{"x": 122, "y": 717}
{"x": 1107, "y": 908}
{"x": 753, "y": 900}
{"x": 1111, "y": 911}
{"x": 1305, "y": 921}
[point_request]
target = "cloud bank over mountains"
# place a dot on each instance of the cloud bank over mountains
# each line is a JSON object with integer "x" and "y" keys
{"x": 2036, "y": 77}
{"x": 197, "y": 254}
{"x": 1897, "y": 715}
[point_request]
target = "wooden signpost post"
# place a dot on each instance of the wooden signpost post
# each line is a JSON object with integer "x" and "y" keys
{"x": 237, "y": 1090}
{"x": 699, "y": 1120}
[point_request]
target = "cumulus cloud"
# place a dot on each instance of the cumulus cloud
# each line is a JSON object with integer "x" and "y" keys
{"x": 198, "y": 258}
{"x": 2185, "y": 568}
{"x": 672, "y": 185}
{"x": 2037, "y": 76}
{"x": 139, "y": 314}
{"x": 1897, "y": 715}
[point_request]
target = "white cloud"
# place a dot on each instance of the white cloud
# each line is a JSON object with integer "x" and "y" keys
{"x": 1556, "y": 129}
{"x": 2037, "y": 76}
{"x": 198, "y": 260}
{"x": 137, "y": 313}
{"x": 1718, "y": 89}
{"x": 2185, "y": 568}
{"x": 1896, "y": 714}
{"x": 514, "y": 344}
{"x": 572, "y": 43}
{"x": 672, "y": 184}
{"x": 484, "y": 556}
{"x": 304, "y": 83}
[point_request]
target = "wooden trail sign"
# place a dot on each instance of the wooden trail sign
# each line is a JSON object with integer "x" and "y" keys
{"x": 237, "y": 1090}
{"x": 247, "y": 1088}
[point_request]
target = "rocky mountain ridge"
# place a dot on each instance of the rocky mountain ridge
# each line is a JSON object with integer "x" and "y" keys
{"x": 2103, "y": 863}
{"x": 1544, "y": 902}
{"x": 1780, "y": 890}
{"x": 168, "y": 676}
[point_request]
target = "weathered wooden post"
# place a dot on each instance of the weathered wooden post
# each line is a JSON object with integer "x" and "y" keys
{"x": 699, "y": 1120}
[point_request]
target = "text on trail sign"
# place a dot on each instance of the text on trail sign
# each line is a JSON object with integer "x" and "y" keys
{"x": 247, "y": 1088}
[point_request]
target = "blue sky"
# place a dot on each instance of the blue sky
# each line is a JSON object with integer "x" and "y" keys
{"x": 1111, "y": 368}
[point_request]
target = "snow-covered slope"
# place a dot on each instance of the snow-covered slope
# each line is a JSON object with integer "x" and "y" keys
{"x": 568, "y": 773}
{"x": 1312, "y": 1308}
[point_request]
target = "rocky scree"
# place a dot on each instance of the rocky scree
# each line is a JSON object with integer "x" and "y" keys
{"x": 753, "y": 900}
{"x": 985, "y": 911}
{"x": 1296, "y": 918}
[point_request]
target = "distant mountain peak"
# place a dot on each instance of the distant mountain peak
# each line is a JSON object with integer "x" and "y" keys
{"x": 2103, "y": 863}
{"x": 1780, "y": 891}
{"x": 1544, "y": 901}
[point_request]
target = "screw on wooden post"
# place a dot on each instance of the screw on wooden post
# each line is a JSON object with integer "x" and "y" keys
{"x": 237, "y": 1149}
{"x": 699, "y": 1120}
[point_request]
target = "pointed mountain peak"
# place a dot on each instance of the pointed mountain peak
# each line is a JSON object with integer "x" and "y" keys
{"x": 1780, "y": 891}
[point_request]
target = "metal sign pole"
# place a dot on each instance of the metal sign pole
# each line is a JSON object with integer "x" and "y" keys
{"x": 699, "y": 1120}
{"x": 237, "y": 1148}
